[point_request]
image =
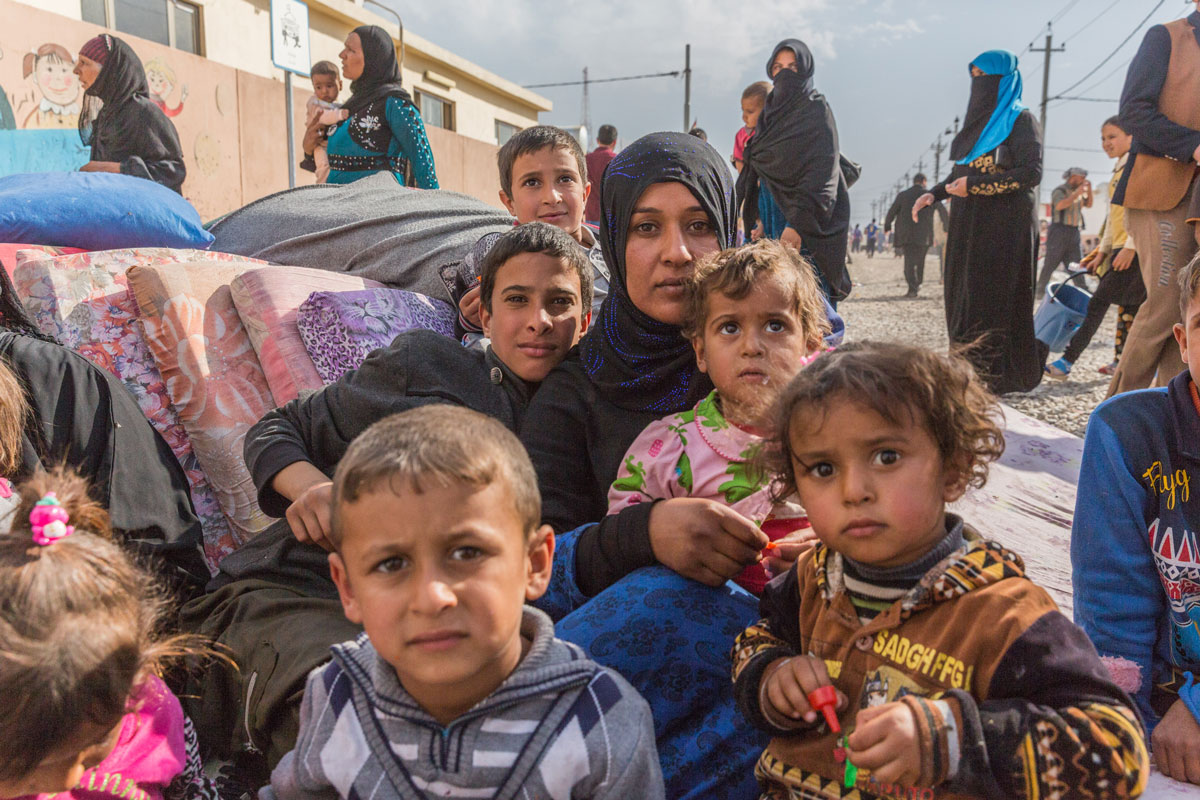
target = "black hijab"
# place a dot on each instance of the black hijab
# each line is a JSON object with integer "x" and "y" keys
{"x": 380, "y": 77}
{"x": 121, "y": 80}
{"x": 804, "y": 62}
{"x": 128, "y": 123}
{"x": 635, "y": 361}
{"x": 985, "y": 89}
{"x": 795, "y": 153}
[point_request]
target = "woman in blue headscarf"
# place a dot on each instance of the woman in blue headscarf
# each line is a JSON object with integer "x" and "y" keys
{"x": 992, "y": 244}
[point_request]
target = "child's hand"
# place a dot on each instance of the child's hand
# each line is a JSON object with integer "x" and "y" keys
{"x": 468, "y": 306}
{"x": 886, "y": 742}
{"x": 787, "y": 684}
{"x": 1123, "y": 260}
{"x": 1176, "y": 744}
{"x": 782, "y": 557}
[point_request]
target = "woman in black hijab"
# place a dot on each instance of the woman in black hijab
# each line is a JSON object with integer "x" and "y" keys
{"x": 384, "y": 131}
{"x": 627, "y": 589}
{"x": 991, "y": 246}
{"x": 127, "y": 131}
{"x": 795, "y": 153}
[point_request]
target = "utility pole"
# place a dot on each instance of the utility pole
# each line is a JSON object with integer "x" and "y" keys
{"x": 586, "y": 116}
{"x": 1048, "y": 50}
{"x": 874, "y": 205}
{"x": 687, "y": 88}
{"x": 921, "y": 165}
{"x": 937, "y": 154}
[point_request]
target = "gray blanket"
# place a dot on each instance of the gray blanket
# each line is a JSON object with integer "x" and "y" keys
{"x": 373, "y": 228}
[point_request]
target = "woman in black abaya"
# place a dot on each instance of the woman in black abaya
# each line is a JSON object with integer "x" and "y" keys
{"x": 794, "y": 153}
{"x": 992, "y": 243}
{"x": 129, "y": 133}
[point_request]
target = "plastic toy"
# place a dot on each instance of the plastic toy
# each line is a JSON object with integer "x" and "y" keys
{"x": 824, "y": 700}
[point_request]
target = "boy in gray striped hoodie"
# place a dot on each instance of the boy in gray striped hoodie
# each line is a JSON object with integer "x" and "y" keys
{"x": 456, "y": 688}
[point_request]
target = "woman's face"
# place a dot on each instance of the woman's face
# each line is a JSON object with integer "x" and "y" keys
{"x": 976, "y": 72}
{"x": 784, "y": 59}
{"x": 88, "y": 71}
{"x": 668, "y": 231}
{"x": 352, "y": 57}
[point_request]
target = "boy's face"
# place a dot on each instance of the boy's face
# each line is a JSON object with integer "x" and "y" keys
{"x": 537, "y": 314}
{"x": 751, "y": 108}
{"x": 1188, "y": 337}
{"x": 326, "y": 87}
{"x": 547, "y": 187}
{"x": 874, "y": 491}
{"x": 751, "y": 348}
{"x": 438, "y": 578}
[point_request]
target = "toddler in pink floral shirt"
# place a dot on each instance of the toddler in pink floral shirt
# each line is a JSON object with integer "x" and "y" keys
{"x": 755, "y": 316}
{"x": 85, "y": 713}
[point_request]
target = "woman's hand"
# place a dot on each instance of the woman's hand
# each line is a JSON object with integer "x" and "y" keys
{"x": 1176, "y": 744}
{"x": 923, "y": 202}
{"x": 791, "y": 236}
{"x": 1123, "y": 259}
{"x": 957, "y": 187}
{"x": 704, "y": 540}
{"x": 468, "y": 306}
{"x": 312, "y": 136}
{"x": 101, "y": 166}
{"x": 886, "y": 742}
{"x": 1092, "y": 260}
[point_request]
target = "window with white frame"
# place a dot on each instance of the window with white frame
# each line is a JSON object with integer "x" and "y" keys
{"x": 175, "y": 23}
{"x": 505, "y": 131}
{"x": 436, "y": 111}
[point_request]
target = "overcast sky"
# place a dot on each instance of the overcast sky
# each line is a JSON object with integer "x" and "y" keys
{"x": 895, "y": 73}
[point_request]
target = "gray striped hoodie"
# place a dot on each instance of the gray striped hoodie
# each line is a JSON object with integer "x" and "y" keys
{"x": 561, "y": 727}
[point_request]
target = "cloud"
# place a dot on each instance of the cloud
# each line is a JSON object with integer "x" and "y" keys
{"x": 542, "y": 42}
{"x": 888, "y": 31}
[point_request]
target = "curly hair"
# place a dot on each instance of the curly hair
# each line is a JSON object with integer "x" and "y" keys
{"x": 904, "y": 385}
{"x": 81, "y": 627}
{"x": 736, "y": 271}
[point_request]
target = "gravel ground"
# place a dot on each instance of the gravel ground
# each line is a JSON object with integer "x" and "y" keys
{"x": 877, "y": 309}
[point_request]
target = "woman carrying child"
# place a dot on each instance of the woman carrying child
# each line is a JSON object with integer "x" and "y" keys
{"x": 992, "y": 243}
{"x": 795, "y": 153}
{"x": 86, "y": 714}
{"x": 631, "y": 589}
{"x": 951, "y": 673}
{"x": 384, "y": 131}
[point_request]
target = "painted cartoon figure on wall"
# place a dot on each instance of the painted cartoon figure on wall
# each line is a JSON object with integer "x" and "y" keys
{"x": 49, "y": 69}
{"x": 160, "y": 77}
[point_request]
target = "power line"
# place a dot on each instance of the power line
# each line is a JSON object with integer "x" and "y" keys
{"x": 1073, "y": 149}
{"x": 1087, "y": 99}
{"x": 1113, "y": 52}
{"x": 674, "y": 74}
{"x": 1092, "y": 21}
{"x": 1063, "y": 13}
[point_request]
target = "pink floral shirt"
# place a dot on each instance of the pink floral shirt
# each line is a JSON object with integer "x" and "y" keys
{"x": 156, "y": 756}
{"x": 698, "y": 453}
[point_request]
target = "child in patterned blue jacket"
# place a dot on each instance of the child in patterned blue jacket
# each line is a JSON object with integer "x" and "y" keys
{"x": 1134, "y": 553}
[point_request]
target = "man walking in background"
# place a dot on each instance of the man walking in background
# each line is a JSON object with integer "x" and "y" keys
{"x": 1066, "y": 221}
{"x": 913, "y": 239}
{"x": 597, "y": 160}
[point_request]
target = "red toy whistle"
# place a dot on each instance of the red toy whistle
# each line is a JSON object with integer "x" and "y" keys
{"x": 824, "y": 700}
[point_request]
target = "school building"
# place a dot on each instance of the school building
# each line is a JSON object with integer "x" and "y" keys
{"x": 209, "y": 67}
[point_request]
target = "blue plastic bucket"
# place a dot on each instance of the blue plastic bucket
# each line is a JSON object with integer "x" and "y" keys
{"x": 1060, "y": 314}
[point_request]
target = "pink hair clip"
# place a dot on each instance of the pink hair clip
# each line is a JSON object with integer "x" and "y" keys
{"x": 49, "y": 521}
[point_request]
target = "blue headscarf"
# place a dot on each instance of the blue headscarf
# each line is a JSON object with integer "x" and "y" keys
{"x": 997, "y": 94}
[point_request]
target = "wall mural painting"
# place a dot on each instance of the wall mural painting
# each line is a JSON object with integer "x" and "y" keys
{"x": 160, "y": 77}
{"x": 53, "y": 97}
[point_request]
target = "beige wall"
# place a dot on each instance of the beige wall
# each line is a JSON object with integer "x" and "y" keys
{"x": 231, "y": 123}
{"x": 237, "y": 33}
